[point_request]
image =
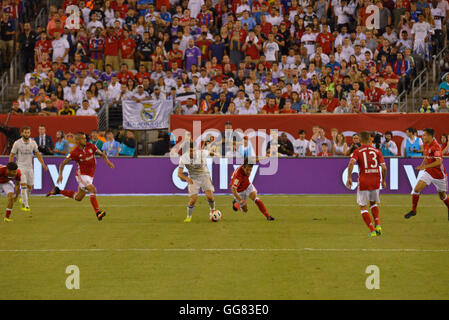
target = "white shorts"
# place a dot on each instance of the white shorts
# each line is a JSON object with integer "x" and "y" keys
{"x": 84, "y": 181}
{"x": 27, "y": 176}
{"x": 364, "y": 197}
{"x": 202, "y": 183}
{"x": 245, "y": 193}
{"x": 440, "y": 184}
{"x": 7, "y": 187}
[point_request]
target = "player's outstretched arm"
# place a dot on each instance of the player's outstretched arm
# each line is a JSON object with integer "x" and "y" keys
{"x": 61, "y": 168}
{"x": 422, "y": 166}
{"x": 237, "y": 196}
{"x": 436, "y": 163}
{"x": 41, "y": 160}
{"x": 11, "y": 157}
{"x": 105, "y": 158}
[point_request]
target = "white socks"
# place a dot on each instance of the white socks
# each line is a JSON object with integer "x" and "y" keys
{"x": 24, "y": 193}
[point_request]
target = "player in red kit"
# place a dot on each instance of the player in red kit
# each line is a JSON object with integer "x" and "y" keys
{"x": 8, "y": 174}
{"x": 368, "y": 159}
{"x": 434, "y": 172}
{"x": 84, "y": 155}
{"x": 242, "y": 189}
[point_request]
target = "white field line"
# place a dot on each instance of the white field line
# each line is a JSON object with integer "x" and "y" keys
{"x": 270, "y": 204}
{"x": 222, "y": 250}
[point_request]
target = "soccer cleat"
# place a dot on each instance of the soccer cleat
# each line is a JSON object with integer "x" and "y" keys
{"x": 379, "y": 230}
{"x": 187, "y": 219}
{"x": 372, "y": 234}
{"x": 7, "y": 219}
{"x": 27, "y": 209}
{"x": 410, "y": 214}
{"x": 100, "y": 214}
{"x": 270, "y": 218}
{"x": 234, "y": 207}
{"x": 53, "y": 192}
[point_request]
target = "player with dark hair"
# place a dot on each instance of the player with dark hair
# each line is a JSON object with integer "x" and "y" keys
{"x": 194, "y": 159}
{"x": 434, "y": 172}
{"x": 83, "y": 154}
{"x": 368, "y": 159}
{"x": 242, "y": 189}
{"x": 8, "y": 174}
{"x": 23, "y": 150}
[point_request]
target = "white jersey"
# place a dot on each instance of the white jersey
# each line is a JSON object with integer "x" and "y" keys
{"x": 301, "y": 146}
{"x": 197, "y": 166}
{"x": 24, "y": 152}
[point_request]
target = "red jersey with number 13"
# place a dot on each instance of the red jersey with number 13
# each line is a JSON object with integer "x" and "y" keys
{"x": 85, "y": 159}
{"x": 239, "y": 180}
{"x": 432, "y": 152}
{"x": 368, "y": 159}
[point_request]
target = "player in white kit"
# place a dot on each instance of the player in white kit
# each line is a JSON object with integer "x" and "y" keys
{"x": 199, "y": 177}
{"x": 24, "y": 149}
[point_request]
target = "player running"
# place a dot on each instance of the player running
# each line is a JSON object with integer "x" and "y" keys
{"x": 23, "y": 149}
{"x": 242, "y": 189}
{"x": 368, "y": 159}
{"x": 434, "y": 172}
{"x": 84, "y": 155}
{"x": 199, "y": 177}
{"x": 8, "y": 174}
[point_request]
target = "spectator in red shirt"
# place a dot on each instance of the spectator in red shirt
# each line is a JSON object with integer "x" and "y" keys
{"x": 252, "y": 47}
{"x": 330, "y": 101}
{"x": 373, "y": 93}
{"x": 126, "y": 50}
{"x": 326, "y": 41}
{"x": 203, "y": 44}
{"x": 271, "y": 107}
{"x": 124, "y": 74}
{"x": 142, "y": 74}
{"x": 79, "y": 65}
{"x": 111, "y": 49}
{"x": 391, "y": 78}
{"x": 324, "y": 150}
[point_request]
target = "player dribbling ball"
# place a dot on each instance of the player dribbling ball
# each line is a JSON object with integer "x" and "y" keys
{"x": 243, "y": 189}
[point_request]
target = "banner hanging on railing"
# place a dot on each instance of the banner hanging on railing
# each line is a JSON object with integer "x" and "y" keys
{"x": 145, "y": 115}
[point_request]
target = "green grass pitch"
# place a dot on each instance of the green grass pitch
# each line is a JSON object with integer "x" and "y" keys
{"x": 318, "y": 248}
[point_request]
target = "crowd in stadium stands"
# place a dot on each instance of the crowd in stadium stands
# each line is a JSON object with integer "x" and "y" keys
{"x": 120, "y": 143}
{"x": 229, "y": 57}
{"x": 317, "y": 144}
{"x": 13, "y": 14}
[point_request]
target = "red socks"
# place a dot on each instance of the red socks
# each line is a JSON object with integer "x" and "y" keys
{"x": 415, "y": 199}
{"x": 375, "y": 213}
{"x": 261, "y": 207}
{"x": 94, "y": 202}
{"x": 366, "y": 217}
{"x": 446, "y": 201}
{"x": 68, "y": 193}
{"x": 8, "y": 212}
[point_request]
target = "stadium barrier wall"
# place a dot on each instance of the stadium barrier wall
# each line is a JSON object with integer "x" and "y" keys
{"x": 67, "y": 124}
{"x": 290, "y": 124}
{"x": 293, "y": 176}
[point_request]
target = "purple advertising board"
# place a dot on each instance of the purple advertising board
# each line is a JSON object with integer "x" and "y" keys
{"x": 293, "y": 176}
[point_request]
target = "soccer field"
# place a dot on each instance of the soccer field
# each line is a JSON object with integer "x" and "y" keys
{"x": 318, "y": 248}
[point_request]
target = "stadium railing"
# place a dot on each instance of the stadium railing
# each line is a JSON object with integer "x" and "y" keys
{"x": 421, "y": 80}
{"x": 436, "y": 67}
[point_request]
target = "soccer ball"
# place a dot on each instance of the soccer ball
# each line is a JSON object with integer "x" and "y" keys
{"x": 215, "y": 216}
